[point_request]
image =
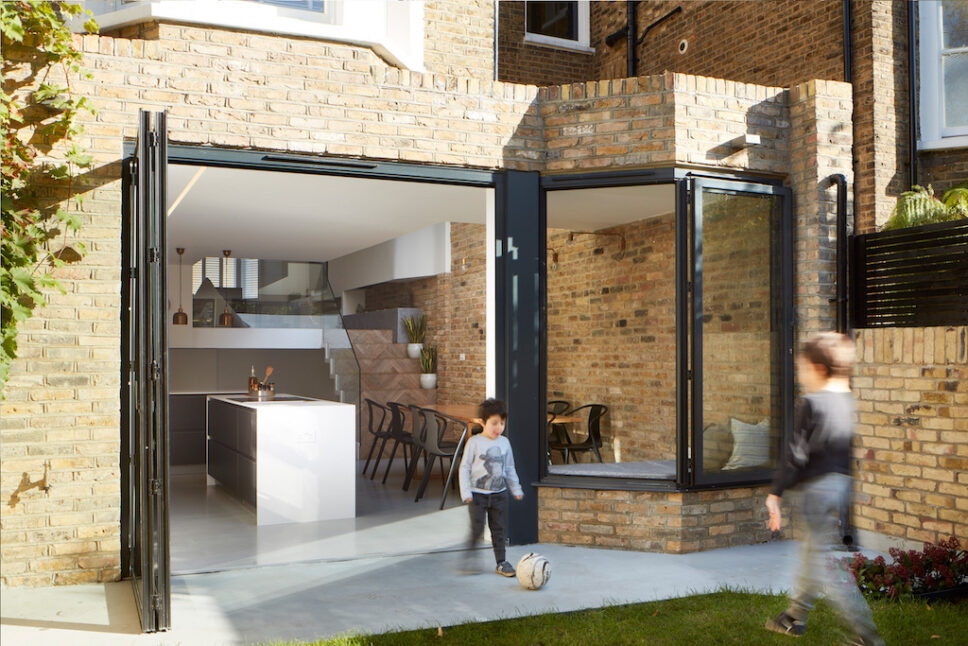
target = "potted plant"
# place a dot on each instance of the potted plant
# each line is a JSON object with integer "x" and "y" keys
{"x": 428, "y": 367}
{"x": 920, "y": 206}
{"x": 416, "y": 329}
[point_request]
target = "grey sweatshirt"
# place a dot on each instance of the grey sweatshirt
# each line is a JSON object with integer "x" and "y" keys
{"x": 488, "y": 467}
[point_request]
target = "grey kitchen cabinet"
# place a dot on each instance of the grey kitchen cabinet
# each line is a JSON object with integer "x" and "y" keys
{"x": 232, "y": 448}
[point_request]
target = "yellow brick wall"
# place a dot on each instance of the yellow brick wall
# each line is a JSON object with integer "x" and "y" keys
{"x": 912, "y": 434}
{"x": 235, "y": 89}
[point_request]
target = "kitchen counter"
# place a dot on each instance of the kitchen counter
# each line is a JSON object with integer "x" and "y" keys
{"x": 292, "y": 458}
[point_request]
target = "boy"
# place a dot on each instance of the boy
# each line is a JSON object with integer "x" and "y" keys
{"x": 486, "y": 473}
{"x": 817, "y": 460}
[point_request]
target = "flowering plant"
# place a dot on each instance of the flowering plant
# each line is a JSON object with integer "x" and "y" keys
{"x": 936, "y": 567}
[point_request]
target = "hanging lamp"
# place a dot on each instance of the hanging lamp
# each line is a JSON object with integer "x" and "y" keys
{"x": 179, "y": 317}
{"x": 225, "y": 318}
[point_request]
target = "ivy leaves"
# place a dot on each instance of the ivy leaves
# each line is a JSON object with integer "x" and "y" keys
{"x": 37, "y": 113}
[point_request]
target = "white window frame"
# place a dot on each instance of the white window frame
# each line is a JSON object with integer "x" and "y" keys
{"x": 933, "y": 135}
{"x": 582, "y": 44}
{"x": 392, "y": 29}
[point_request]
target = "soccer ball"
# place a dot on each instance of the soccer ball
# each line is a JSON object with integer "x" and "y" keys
{"x": 533, "y": 571}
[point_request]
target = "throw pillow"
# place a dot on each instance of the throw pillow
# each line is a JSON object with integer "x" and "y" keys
{"x": 751, "y": 444}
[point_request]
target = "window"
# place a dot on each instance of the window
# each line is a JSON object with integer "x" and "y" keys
{"x": 558, "y": 24}
{"x": 943, "y": 43}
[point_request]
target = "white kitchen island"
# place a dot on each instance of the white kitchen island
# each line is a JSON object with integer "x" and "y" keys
{"x": 292, "y": 458}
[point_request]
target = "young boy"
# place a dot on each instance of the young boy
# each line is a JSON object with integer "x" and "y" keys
{"x": 817, "y": 461}
{"x": 486, "y": 473}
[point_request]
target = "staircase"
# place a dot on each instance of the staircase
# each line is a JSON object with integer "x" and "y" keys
{"x": 387, "y": 374}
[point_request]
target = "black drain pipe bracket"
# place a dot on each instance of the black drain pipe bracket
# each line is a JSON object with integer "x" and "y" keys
{"x": 841, "y": 259}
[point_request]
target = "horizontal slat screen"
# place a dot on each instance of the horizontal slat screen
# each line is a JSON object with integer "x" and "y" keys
{"x": 916, "y": 277}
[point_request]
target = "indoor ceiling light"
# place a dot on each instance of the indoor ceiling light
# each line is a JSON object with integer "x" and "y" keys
{"x": 180, "y": 318}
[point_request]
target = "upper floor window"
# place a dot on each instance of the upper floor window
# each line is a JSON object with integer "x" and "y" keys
{"x": 393, "y": 29}
{"x": 943, "y": 48}
{"x": 558, "y": 24}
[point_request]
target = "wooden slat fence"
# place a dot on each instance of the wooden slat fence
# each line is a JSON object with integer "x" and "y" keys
{"x": 916, "y": 277}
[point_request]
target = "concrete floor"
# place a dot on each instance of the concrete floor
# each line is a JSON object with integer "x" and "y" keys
{"x": 373, "y": 595}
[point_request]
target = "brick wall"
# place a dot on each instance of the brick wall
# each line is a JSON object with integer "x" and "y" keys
{"x": 652, "y": 521}
{"x": 943, "y": 169}
{"x": 459, "y": 38}
{"x": 912, "y": 435}
{"x": 531, "y": 63}
{"x": 727, "y": 39}
{"x": 612, "y": 333}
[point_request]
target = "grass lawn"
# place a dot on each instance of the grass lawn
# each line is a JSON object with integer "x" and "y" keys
{"x": 721, "y": 618}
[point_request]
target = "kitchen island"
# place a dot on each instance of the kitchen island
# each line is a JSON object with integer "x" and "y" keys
{"x": 291, "y": 458}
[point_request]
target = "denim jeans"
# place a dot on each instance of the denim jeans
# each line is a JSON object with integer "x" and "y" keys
{"x": 493, "y": 507}
{"x": 821, "y": 565}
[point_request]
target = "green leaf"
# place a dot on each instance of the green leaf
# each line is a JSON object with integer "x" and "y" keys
{"x": 14, "y": 29}
{"x": 90, "y": 26}
{"x": 23, "y": 279}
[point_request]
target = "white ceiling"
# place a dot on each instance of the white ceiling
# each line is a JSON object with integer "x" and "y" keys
{"x": 294, "y": 216}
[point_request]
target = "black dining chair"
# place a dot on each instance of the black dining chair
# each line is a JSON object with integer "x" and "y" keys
{"x": 399, "y": 435}
{"x": 556, "y": 431}
{"x": 592, "y": 442}
{"x": 434, "y": 447}
{"x": 417, "y": 425}
{"x": 454, "y": 426}
{"x": 377, "y": 426}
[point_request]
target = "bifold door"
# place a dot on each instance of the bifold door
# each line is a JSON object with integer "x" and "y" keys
{"x": 145, "y": 386}
{"x": 741, "y": 310}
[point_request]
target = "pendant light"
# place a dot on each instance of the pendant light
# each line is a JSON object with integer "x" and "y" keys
{"x": 225, "y": 318}
{"x": 180, "y": 318}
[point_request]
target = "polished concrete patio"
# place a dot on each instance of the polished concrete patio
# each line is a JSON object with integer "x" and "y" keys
{"x": 373, "y": 595}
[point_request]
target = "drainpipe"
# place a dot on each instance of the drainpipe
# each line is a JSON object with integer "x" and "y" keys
{"x": 655, "y": 23}
{"x": 848, "y": 44}
{"x": 912, "y": 96}
{"x": 841, "y": 278}
{"x": 497, "y": 21}
{"x": 631, "y": 28}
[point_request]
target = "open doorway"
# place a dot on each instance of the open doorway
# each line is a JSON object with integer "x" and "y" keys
{"x": 313, "y": 275}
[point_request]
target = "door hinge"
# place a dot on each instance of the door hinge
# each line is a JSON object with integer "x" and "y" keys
{"x": 154, "y": 371}
{"x": 688, "y": 374}
{"x": 132, "y": 167}
{"x": 133, "y": 273}
{"x": 155, "y": 486}
{"x": 153, "y": 254}
{"x": 689, "y": 286}
{"x": 691, "y": 464}
{"x": 156, "y": 602}
{"x": 152, "y": 138}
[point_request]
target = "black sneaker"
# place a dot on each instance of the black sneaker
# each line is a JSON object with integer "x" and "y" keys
{"x": 786, "y": 625}
{"x": 505, "y": 569}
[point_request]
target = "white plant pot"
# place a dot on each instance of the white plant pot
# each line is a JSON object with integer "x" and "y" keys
{"x": 428, "y": 380}
{"x": 413, "y": 350}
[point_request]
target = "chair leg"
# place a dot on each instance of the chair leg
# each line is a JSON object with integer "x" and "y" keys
{"x": 599, "y": 455}
{"x": 425, "y": 479}
{"x": 393, "y": 454}
{"x": 376, "y": 464}
{"x": 370, "y": 455}
{"x": 448, "y": 485}
{"x": 413, "y": 468}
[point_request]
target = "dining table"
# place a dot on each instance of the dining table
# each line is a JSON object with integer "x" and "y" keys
{"x": 469, "y": 413}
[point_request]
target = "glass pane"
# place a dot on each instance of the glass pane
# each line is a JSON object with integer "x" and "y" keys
{"x": 557, "y": 19}
{"x": 955, "y": 23}
{"x": 611, "y": 293}
{"x": 251, "y": 293}
{"x": 741, "y": 382}
{"x": 955, "y": 90}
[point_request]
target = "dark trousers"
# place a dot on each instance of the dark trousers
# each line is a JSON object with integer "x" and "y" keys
{"x": 493, "y": 506}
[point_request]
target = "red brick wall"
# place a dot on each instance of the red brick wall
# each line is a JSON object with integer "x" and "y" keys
{"x": 773, "y": 42}
{"x": 529, "y": 63}
{"x": 612, "y": 333}
{"x": 943, "y": 169}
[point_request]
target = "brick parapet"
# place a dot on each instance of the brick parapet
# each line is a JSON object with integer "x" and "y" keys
{"x": 820, "y": 145}
{"x": 912, "y": 435}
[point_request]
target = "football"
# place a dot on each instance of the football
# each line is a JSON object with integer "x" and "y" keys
{"x": 533, "y": 571}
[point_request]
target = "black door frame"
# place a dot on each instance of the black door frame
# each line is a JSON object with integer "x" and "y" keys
{"x": 686, "y": 263}
{"x": 518, "y": 384}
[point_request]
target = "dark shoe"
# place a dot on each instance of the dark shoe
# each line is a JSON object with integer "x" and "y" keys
{"x": 505, "y": 569}
{"x": 786, "y": 625}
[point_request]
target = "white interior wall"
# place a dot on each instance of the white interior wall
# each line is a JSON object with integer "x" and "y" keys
{"x": 425, "y": 252}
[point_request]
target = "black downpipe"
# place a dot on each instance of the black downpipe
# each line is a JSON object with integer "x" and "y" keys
{"x": 653, "y": 24}
{"x": 912, "y": 97}
{"x": 841, "y": 281}
{"x": 630, "y": 28}
{"x": 848, "y": 44}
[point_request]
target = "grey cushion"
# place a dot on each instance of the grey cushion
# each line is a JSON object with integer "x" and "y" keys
{"x": 717, "y": 447}
{"x": 751, "y": 444}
